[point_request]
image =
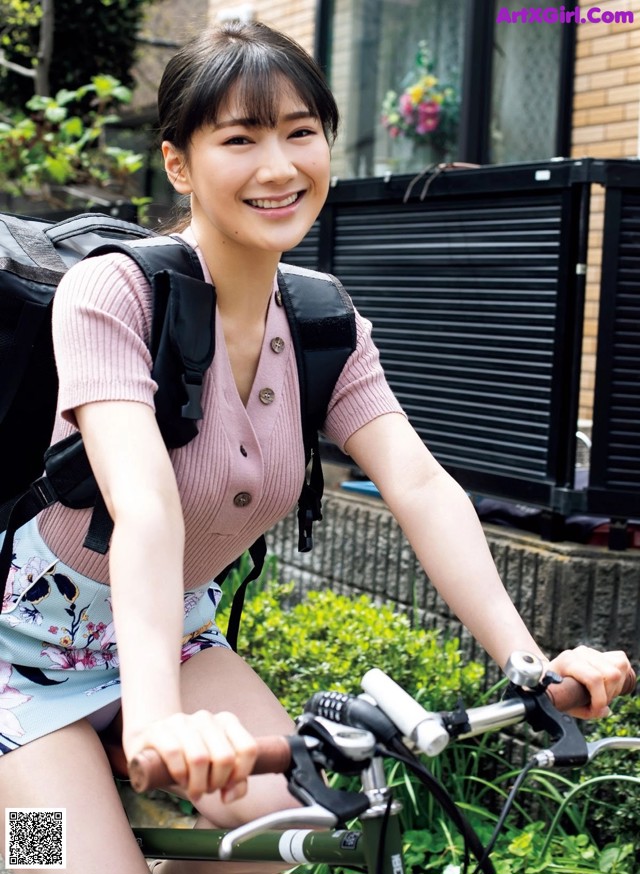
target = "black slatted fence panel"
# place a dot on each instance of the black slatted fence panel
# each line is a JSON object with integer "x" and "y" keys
{"x": 476, "y": 292}
{"x": 464, "y": 301}
{"x": 615, "y": 465}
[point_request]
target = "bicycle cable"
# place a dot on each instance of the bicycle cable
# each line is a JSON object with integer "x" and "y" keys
{"x": 506, "y": 808}
{"x": 472, "y": 844}
{"x": 383, "y": 832}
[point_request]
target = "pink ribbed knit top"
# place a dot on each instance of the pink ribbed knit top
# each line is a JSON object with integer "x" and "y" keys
{"x": 101, "y": 325}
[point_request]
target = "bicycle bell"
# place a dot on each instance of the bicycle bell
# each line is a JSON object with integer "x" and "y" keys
{"x": 524, "y": 669}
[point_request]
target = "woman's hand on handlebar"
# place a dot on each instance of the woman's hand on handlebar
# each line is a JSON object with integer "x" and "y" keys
{"x": 202, "y": 751}
{"x": 604, "y": 674}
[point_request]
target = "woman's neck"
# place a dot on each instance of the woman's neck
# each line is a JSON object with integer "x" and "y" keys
{"x": 243, "y": 280}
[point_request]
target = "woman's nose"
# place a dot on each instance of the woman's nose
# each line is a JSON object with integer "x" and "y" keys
{"x": 275, "y": 165}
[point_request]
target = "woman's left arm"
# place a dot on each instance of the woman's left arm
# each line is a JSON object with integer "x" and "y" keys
{"x": 443, "y": 528}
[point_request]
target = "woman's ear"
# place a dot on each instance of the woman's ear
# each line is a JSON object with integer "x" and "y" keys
{"x": 176, "y": 168}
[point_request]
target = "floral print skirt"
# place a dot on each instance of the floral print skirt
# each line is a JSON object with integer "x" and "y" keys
{"x": 58, "y": 653}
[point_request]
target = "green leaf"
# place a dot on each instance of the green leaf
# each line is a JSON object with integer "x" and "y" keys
{"x": 72, "y": 127}
{"x": 57, "y": 169}
{"x": 612, "y": 855}
{"x": 110, "y": 87}
{"x": 55, "y": 114}
{"x": 65, "y": 96}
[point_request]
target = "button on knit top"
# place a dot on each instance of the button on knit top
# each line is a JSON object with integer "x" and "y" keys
{"x": 244, "y": 470}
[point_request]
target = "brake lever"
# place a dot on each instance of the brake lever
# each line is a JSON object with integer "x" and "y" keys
{"x": 611, "y": 743}
{"x": 318, "y": 744}
{"x": 313, "y": 816}
{"x": 569, "y": 749}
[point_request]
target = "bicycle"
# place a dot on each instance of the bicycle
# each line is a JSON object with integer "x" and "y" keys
{"x": 352, "y": 736}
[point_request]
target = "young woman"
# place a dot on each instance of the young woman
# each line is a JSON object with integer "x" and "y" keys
{"x": 247, "y": 124}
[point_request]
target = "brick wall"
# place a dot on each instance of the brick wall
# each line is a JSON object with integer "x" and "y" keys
{"x": 172, "y": 21}
{"x": 605, "y": 125}
{"x": 295, "y": 17}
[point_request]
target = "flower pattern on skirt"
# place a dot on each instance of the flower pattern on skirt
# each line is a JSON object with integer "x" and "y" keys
{"x": 58, "y": 650}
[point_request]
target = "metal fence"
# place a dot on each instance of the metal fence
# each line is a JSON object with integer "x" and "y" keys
{"x": 474, "y": 280}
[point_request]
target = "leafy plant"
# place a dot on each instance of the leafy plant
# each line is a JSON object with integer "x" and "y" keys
{"x": 328, "y": 641}
{"x": 97, "y": 36}
{"x": 612, "y": 804}
{"x": 57, "y": 142}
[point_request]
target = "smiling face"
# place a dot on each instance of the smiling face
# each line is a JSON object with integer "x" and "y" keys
{"x": 254, "y": 184}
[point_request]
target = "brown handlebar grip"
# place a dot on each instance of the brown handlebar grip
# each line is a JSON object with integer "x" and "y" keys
{"x": 570, "y": 693}
{"x": 148, "y": 771}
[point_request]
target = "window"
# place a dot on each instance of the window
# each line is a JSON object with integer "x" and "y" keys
{"x": 524, "y": 92}
{"x": 376, "y": 48}
{"x": 420, "y": 81}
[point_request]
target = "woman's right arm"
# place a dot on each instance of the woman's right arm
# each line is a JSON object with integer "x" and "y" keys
{"x": 136, "y": 478}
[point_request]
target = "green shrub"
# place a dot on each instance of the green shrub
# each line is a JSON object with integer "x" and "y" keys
{"x": 613, "y": 804}
{"x": 52, "y": 144}
{"x": 91, "y": 38}
{"x": 329, "y": 641}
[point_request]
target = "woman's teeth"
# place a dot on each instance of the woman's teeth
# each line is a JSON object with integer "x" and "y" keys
{"x": 274, "y": 204}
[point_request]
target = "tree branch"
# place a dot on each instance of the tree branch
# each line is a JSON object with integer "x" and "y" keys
{"x": 16, "y": 68}
{"x": 45, "y": 49}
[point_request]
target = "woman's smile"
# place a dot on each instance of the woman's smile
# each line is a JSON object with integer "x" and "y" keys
{"x": 274, "y": 202}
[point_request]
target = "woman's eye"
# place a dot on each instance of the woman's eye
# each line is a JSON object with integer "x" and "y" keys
{"x": 304, "y": 132}
{"x": 236, "y": 141}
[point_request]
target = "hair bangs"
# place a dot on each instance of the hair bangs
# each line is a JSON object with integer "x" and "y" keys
{"x": 247, "y": 69}
{"x": 253, "y": 89}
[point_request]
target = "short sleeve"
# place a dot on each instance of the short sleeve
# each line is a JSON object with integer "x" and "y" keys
{"x": 362, "y": 392}
{"x": 101, "y": 325}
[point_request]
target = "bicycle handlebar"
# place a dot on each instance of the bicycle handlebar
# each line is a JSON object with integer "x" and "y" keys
{"x": 428, "y": 731}
{"x": 148, "y": 771}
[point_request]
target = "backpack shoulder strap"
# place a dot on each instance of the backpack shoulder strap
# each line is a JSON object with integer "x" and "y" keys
{"x": 182, "y": 346}
{"x": 322, "y": 322}
{"x": 182, "y": 332}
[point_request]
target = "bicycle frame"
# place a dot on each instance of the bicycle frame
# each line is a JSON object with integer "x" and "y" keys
{"x": 344, "y": 847}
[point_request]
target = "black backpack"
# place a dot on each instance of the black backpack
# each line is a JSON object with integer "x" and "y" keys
{"x": 34, "y": 255}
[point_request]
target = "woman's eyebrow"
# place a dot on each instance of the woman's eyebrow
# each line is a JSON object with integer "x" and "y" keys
{"x": 254, "y": 122}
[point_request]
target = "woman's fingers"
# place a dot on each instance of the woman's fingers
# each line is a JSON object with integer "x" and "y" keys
{"x": 203, "y": 752}
{"x": 231, "y": 751}
{"x": 604, "y": 674}
{"x": 233, "y": 781}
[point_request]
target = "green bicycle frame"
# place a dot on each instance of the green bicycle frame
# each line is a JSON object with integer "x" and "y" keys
{"x": 360, "y": 849}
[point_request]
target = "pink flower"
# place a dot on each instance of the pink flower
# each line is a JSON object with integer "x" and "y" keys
{"x": 106, "y": 634}
{"x": 428, "y": 117}
{"x": 10, "y": 698}
{"x": 405, "y": 105}
{"x": 394, "y": 131}
{"x": 78, "y": 659}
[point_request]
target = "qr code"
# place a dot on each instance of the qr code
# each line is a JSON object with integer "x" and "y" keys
{"x": 35, "y": 838}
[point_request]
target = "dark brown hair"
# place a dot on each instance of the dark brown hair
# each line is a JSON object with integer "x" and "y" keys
{"x": 254, "y": 59}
